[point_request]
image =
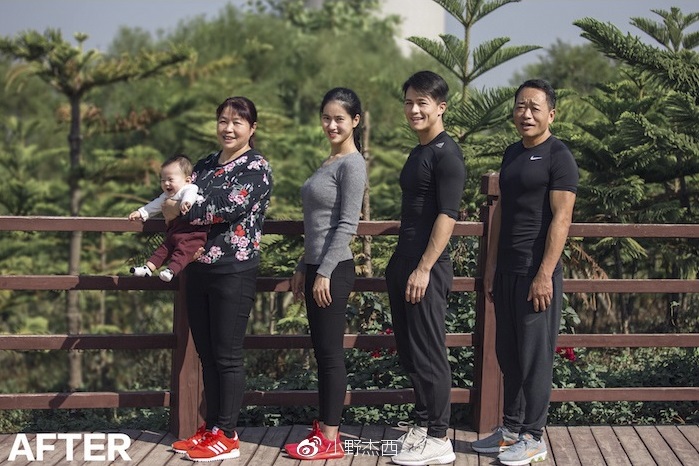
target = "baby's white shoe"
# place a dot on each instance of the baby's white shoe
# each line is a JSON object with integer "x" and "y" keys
{"x": 142, "y": 271}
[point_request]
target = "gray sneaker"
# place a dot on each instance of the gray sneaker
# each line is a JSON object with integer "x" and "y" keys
{"x": 429, "y": 450}
{"x": 501, "y": 439}
{"x": 525, "y": 451}
{"x": 412, "y": 437}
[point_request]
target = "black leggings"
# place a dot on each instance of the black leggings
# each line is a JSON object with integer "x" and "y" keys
{"x": 327, "y": 332}
{"x": 218, "y": 310}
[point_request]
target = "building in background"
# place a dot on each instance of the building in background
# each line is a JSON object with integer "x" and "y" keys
{"x": 422, "y": 18}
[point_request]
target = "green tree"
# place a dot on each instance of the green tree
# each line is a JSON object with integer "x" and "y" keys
{"x": 466, "y": 61}
{"x": 566, "y": 66}
{"x": 671, "y": 33}
{"x": 664, "y": 143}
{"x": 74, "y": 72}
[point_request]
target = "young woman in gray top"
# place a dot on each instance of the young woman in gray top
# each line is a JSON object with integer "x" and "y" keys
{"x": 332, "y": 201}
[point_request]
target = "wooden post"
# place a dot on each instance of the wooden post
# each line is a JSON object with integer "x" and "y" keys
{"x": 487, "y": 407}
{"x": 186, "y": 392}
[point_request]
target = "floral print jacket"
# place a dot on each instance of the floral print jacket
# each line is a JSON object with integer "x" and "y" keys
{"x": 235, "y": 198}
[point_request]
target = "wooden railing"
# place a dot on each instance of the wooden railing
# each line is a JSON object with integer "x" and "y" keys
{"x": 185, "y": 394}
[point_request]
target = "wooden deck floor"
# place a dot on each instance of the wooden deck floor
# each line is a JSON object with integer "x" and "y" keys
{"x": 260, "y": 446}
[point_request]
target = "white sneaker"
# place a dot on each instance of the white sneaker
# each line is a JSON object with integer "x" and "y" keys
{"x": 430, "y": 450}
{"x": 142, "y": 271}
{"x": 166, "y": 275}
{"x": 411, "y": 438}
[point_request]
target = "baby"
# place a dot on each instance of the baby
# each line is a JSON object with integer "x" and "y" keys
{"x": 182, "y": 239}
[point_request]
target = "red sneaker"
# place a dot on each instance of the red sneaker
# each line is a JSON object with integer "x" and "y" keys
{"x": 316, "y": 447}
{"x": 215, "y": 446}
{"x": 183, "y": 446}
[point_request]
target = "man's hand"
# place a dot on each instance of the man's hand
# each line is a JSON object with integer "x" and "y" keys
{"x": 541, "y": 292}
{"x": 417, "y": 285}
{"x": 135, "y": 215}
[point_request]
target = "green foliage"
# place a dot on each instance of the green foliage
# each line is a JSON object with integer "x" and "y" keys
{"x": 567, "y": 66}
{"x": 641, "y": 367}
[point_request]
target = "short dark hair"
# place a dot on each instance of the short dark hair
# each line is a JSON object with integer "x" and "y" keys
{"x": 540, "y": 84}
{"x": 352, "y": 105}
{"x": 182, "y": 160}
{"x": 241, "y": 106}
{"x": 428, "y": 83}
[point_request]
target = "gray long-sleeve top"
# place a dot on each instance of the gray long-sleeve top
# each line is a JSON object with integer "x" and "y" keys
{"x": 332, "y": 202}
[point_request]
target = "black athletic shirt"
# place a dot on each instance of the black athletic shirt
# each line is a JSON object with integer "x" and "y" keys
{"x": 432, "y": 181}
{"x": 526, "y": 178}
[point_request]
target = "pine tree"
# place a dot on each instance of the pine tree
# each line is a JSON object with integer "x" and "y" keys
{"x": 74, "y": 72}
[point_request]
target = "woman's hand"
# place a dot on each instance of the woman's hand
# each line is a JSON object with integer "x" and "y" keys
{"x": 171, "y": 210}
{"x": 321, "y": 291}
{"x": 297, "y": 284}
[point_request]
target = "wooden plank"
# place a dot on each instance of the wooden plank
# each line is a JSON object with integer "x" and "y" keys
{"x": 186, "y": 384}
{"x": 270, "y": 449}
{"x": 349, "y": 436}
{"x": 250, "y": 440}
{"x": 352, "y": 398}
{"x": 634, "y": 447}
{"x": 626, "y": 285}
{"x": 636, "y": 340}
{"x": 169, "y": 341}
{"x": 377, "y": 284}
{"x": 634, "y": 230}
{"x": 550, "y": 461}
{"x": 98, "y": 224}
{"x": 22, "y": 458}
{"x": 626, "y": 394}
{"x": 296, "y": 434}
{"x": 562, "y": 445}
{"x": 369, "y": 450}
{"x": 142, "y": 444}
{"x": 295, "y": 227}
{"x": 681, "y": 447}
{"x": 657, "y": 446}
{"x": 76, "y": 400}
{"x": 351, "y": 340}
{"x": 462, "y": 439}
{"x": 84, "y": 282}
{"x": 128, "y": 282}
{"x": 612, "y": 451}
{"x": 88, "y": 342}
{"x": 84, "y": 400}
{"x": 281, "y": 284}
{"x": 387, "y": 438}
{"x": 691, "y": 433}
{"x": 586, "y": 446}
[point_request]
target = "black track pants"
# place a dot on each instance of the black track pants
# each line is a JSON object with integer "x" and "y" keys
{"x": 420, "y": 332}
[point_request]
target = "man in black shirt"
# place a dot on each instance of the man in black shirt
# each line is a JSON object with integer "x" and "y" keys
{"x": 538, "y": 183}
{"x": 419, "y": 274}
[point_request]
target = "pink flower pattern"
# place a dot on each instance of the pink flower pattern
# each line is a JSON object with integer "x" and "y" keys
{"x": 236, "y": 195}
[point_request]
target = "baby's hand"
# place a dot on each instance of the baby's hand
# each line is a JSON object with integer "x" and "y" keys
{"x": 135, "y": 215}
{"x": 185, "y": 206}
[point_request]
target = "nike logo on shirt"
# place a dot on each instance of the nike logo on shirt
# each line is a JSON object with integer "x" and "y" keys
{"x": 534, "y": 157}
{"x": 439, "y": 144}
